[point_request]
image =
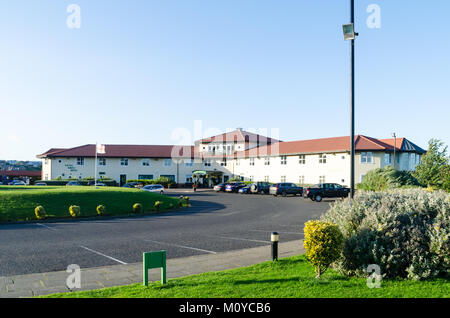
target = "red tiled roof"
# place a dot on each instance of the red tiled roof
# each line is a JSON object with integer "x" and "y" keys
{"x": 335, "y": 144}
{"x": 239, "y": 135}
{"x": 20, "y": 173}
{"x": 129, "y": 151}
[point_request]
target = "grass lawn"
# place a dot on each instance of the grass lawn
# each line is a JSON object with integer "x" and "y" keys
{"x": 18, "y": 203}
{"x": 291, "y": 277}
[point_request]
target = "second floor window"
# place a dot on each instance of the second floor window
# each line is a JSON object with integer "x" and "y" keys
{"x": 80, "y": 161}
{"x": 188, "y": 162}
{"x": 252, "y": 161}
{"x": 283, "y": 160}
{"x": 366, "y": 157}
{"x": 302, "y": 159}
{"x": 124, "y": 161}
{"x": 207, "y": 163}
{"x": 167, "y": 162}
{"x": 223, "y": 162}
{"x": 323, "y": 158}
{"x": 146, "y": 162}
{"x": 267, "y": 161}
{"x": 102, "y": 161}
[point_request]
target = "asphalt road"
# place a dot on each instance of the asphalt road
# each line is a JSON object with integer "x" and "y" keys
{"x": 215, "y": 223}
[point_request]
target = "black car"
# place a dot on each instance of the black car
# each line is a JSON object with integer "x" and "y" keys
{"x": 234, "y": 187}
{"x": 260, "y": 187}
{"x": 286, "y": 188}
{"x": 326, "y": 190}
{"x": 245, "y": 190}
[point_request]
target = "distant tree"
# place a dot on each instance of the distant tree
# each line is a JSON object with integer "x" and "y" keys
{"x": 433, "y": 170}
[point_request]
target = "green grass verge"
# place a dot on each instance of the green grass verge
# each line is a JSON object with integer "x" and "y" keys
{"x": 18, "y": 203}
{"x": 291, "y": 277}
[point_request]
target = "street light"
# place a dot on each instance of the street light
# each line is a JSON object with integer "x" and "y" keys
{"x": 395, "y": 145}
{"x": 350, "y": 35}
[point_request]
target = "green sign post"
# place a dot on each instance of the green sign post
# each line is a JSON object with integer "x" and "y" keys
{"x": 155, "y": 260}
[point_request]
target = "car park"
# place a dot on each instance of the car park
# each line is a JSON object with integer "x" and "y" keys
{"x": 73, "y": 183}
{"x": 155, "y": 188}
{"x": 17, "y": 183}
{"x": 326, "y": 190}
{"x": 220, "y": 187}
{"x": 260, "y": 187}
{"x": 285, "y": 188}
{"x": 245, "y": 190}
{"x": 234, "y": 187}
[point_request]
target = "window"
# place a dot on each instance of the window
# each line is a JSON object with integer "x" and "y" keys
{"x": 80, "y": 161}
{"x": 417, "y": 159}
{"x": 301, "y": 180}
{"x": 283, "y": 160}
{"x": 238, "y": 162}
{"x": 266, "y": 179}
{"x": 323, "y": 158}
{"x": 124, "y": 161}
{"x": 102, "y": 161}
{"x": 188, "y": 178}
{"x": 207, "y": 162}
{"x": 146, "y": 162}
{"x": 252, "y": 161}
{"x": 170, "y": 177}
{"x": 322, "y": 179}
{"x": 387, "y": 158}
{"x": 188, "y": 162}
{"x": 283, "y": 178}
{"x": 366, "y": 157}
{"x": 223, "y": 162}
{"x": 252, "y": 178}
{"x": 267, "y": 161}
{"x": 145, "y": 177}
{"x": 167, "y": 162}
{"x": 361, "y": 178}
{"x": 59, "y": 161}
{"x": 302, "y": 159}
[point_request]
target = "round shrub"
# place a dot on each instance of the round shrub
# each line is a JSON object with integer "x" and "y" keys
{"x": 323, "y": 244}
{"x": 157, "y": 205}
{"x": 137, "y": 208}
{"x": 39, "y": 211}
{"x": 74, "y": 211}
{"x": 101, "y": 210}
{"x": 405, "y": 231}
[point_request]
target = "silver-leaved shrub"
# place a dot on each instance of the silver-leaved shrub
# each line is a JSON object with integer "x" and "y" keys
{"x": 405, "y": 231}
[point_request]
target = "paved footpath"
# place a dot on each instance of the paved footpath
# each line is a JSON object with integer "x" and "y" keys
{"x": 95, "y": 278}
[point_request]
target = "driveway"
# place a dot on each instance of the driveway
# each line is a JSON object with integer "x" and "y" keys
{"x": 216, "y": 222}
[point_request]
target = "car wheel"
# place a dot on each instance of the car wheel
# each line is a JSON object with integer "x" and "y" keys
{"x": 283, "y": 193}
{"x": 261, "y": 192}
{"x": 161, "y": 192}
{"x": 318, "y": 198}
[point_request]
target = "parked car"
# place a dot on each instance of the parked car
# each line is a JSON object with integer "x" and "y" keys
{"x": 220, "y": 187}
{"x": 155, "y": 188}
{"x": 245, "y": 189}
{"x": 234, "y": 187}
{"x": 133, "y": 185}
{"x": 99, "y": 184}
{"x": 40, "y": 184}
{"x": 260, "y": 187}
{"x": 325, "y": 190}
{"x": 17, "y": 183}
{"x": 73, "y": 183}
{"x": 285, "y": 188}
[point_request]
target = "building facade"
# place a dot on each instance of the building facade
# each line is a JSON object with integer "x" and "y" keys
{"x": 237, "y": 154}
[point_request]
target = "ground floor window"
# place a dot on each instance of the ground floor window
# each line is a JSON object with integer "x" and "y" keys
{"x": 301, "y": 179}
{"x": 169, "y": 176}
{"x": 145, "y": 177}
{"x": 283, "y": 178}
{"x": 266, "y": 179}
{"x": 188, "y": 178}
{"x": 322, "y": 179}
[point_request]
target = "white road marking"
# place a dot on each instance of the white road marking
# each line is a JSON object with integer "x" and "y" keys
{"x": 241, "y": 239}
{"x": 176, "y": 245}
{"x": 111, "y": 258}
{"x": 46, "y": 226}
{"x": 297, "y": 233}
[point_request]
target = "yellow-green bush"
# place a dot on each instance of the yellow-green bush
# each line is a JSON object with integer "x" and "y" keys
{"x": 323, "y": 243}
{"x": 157, "y": 205}
{"x": 74, "y": 211}
{"x": 137, "y": 208}
{"x": 40, "y": 212}
{"x": 101, "y": 210}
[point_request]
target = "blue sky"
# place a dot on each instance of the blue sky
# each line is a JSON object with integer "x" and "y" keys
{"x": 138, "y": 70}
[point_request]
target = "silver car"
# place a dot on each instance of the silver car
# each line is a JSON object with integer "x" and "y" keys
{"x": 155, "y": 188}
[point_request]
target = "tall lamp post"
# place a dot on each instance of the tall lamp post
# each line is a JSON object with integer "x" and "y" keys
{"x": 350, "y": 34}
{"x": 395, "y": 146}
